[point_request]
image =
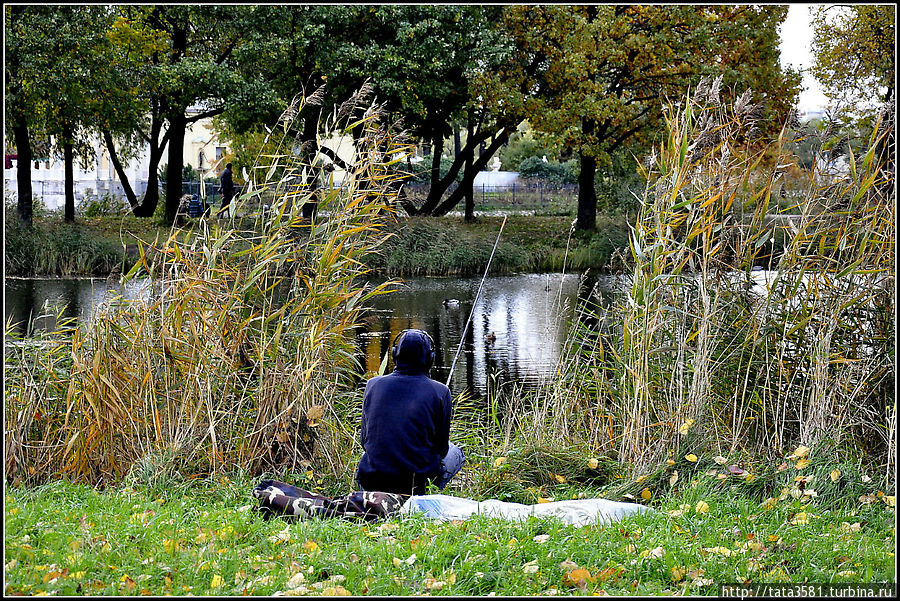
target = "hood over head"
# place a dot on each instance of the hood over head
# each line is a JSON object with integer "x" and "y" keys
{"x": 413, "y": 353}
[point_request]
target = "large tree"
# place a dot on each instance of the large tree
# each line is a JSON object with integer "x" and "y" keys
{"x": 71, "y": 72}
{"x": 21, "y": 80}
{"x": 607, "y": 70}
{"x": 176, "y": 58}
{"x": 854, "y": 51}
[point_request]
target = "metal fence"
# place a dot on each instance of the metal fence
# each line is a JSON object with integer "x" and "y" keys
{"x": 212, "y": 189}
{"x": 521, "y": 196}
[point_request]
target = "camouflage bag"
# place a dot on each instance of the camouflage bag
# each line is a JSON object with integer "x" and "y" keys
{"x": 279, "y": 498}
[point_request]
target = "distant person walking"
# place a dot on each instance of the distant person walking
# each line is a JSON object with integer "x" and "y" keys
{"x": 227, "y": 181}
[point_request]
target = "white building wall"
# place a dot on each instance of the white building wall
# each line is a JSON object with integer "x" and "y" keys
{"x": 48, "y": 178}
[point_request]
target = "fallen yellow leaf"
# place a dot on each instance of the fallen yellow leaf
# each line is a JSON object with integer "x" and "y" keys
{"x": 835, "y": 475}
{"x": 691, "y": 457}
{"x": 848, "y": 527}
{"x": 499, "y": 461}
{"x": 802, "y": 463}
{"x": 645, "y": 494}
{"x": 609, "y": 574}
{"x": 216, "y": 581}
{"x": 673, "y": 478}
{"x": 800, "y": 452}
{"x": 593, "y": 463}
{"x": 336, "y": 591}
{"x": 577, "y": 576}
{"x": 702, "y": 507}
{"x": 685, "y": 427}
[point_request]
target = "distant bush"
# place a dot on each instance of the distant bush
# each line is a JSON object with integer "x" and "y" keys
{"x": 98, "y": 206}
{"x": 560, "y": 173}
{"x": 523, "y": 145}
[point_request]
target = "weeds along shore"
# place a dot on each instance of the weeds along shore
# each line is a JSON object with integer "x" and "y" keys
{"x": 212, "y": 374}
{"x": 416, "y": 246}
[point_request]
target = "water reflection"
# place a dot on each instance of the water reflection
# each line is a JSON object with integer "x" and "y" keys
{"x": 519, "y": 325}
{"x": 34, "y": 304}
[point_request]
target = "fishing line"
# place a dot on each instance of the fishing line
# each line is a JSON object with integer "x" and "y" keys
{"x": 475, "y": 302}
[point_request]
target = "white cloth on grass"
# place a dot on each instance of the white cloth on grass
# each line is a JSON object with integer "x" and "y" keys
{"x": 576, "y": 512}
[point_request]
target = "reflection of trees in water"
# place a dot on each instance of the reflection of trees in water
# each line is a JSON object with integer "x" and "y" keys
{"x": 528, "y": 314}
{"x": 34, "y": 305}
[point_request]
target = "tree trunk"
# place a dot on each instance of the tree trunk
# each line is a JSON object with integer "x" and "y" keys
{"x": 468, "y": 183}
{"x": 445, "y": 207}
{"x": 177, "y": 126}
{"x": 69, "y": 182}
{"x": 435, "y": 190}
{"x": 147, "y": 206}
{"x": 173, "y": 111}
{"x": 587, "y": 196}
{"x": 25, "y": 201}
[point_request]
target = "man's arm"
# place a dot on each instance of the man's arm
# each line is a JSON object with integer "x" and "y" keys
{"x": 443, "y": 432}
{"x": 362, "y": 425}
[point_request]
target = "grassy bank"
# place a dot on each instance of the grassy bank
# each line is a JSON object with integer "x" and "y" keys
{"x": 419, "y": 246}
{"x": 204, "y": 538}
{"x": 530, "y": 243}
{"x": 89, "y": 247}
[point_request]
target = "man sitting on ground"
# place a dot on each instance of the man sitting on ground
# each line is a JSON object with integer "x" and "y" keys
{"x": 405, "y": 429}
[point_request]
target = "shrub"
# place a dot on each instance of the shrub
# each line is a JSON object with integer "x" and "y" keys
{"x": 560, "y": 173}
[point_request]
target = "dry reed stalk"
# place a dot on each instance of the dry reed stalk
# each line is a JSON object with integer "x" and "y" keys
{"x": 701, "y": 360}
{"x": 241, "y": 350}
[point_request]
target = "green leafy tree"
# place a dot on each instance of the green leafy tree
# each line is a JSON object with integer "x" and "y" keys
{"x": 71, "y": 73}
{"x": 22, "y": 86}
{"x": 854, "y": 51}
{"x": 606, "y": 70}
{"x": 177, "y": 58}
{"x": 419, "y": 59}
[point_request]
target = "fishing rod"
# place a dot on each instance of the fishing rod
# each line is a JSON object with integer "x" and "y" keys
{"x": 475, "y": 302}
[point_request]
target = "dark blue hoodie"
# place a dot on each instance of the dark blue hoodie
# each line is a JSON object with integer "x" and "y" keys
{"x": 405, "y": 428}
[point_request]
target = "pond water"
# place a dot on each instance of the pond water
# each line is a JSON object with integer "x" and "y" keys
{"x": 518, "y": 324}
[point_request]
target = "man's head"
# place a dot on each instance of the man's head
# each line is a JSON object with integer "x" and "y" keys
{"x": 228, "y": 165}
{"x": 413, "y": 351}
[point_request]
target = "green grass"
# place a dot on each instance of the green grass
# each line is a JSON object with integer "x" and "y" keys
{"x": 421, "y": 246}
{"x": 91, "y": 246}
{"x": 530, "y": 243}
{"x": 204, "y": 537}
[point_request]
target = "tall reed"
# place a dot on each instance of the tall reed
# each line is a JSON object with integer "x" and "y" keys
{"x": 240, "y": 354}
{"x": 700, "y": 352}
